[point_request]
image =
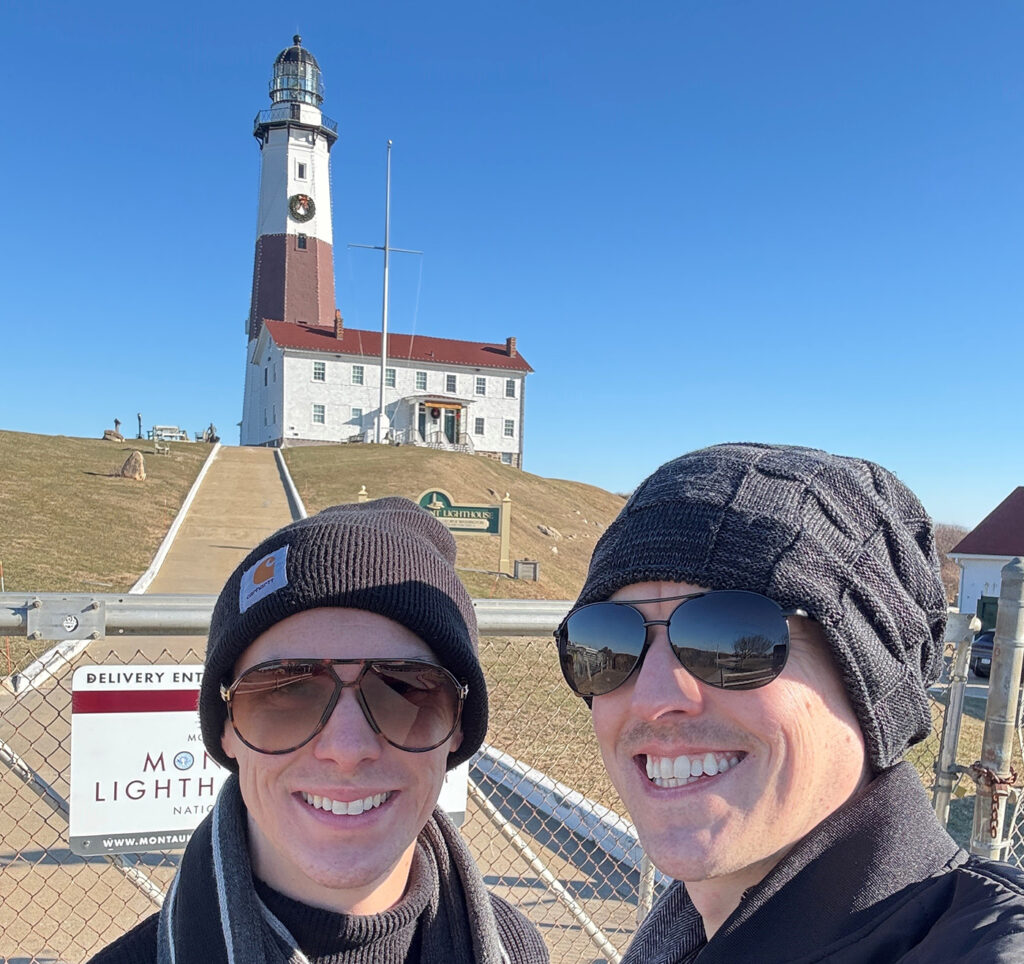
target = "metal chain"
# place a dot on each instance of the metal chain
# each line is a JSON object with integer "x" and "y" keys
{"x": 999, "y": 787}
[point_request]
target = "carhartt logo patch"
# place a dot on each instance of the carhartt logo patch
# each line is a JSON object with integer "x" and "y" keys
{"x": 266, "y": 576}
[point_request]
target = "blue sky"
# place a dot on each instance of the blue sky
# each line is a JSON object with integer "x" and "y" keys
{"x": 703, "y": 221}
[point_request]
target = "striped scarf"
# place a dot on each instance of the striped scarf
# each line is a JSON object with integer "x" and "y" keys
{"x": 213, "y": 915}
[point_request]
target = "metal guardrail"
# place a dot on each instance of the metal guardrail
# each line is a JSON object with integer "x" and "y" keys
{"x": 64, "y": 616}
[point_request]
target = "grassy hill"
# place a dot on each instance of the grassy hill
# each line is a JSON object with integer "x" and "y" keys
{"x": 576, "y": 513}
{"x": 68, "y": 523}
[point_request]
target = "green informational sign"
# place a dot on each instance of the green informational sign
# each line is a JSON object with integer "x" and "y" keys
{"x": 461, "y": 518}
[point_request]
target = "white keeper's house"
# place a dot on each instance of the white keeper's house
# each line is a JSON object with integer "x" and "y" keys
{"x": 982, "y": 553}
{"x": 311, "y": 380}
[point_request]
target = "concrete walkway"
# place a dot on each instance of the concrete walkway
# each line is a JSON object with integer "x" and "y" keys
{"x": 241, "y": 501}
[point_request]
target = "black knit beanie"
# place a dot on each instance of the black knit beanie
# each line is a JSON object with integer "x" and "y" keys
{"x": 839, "y": 537}
{"x": 387, "y": 556}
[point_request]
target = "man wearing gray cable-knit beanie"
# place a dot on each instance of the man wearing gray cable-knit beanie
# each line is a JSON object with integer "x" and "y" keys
{"x": 341, "y": 683}
{"x": 756, "y": 637}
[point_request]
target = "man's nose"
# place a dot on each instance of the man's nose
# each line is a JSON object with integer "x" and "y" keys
{"x": 347, "y": 737}
{"x": 662, "y": 684}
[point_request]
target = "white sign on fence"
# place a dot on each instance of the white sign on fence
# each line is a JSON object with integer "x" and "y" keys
{"x": 141, "y": 778}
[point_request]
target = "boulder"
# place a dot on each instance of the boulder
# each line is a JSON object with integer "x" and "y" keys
{"x": 109, "y": 435}
{"x": 134, "y": 467}
{"x": 549, "y": 531}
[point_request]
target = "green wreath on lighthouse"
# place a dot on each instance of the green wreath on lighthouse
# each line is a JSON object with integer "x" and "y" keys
{"x": 301, "y": 206}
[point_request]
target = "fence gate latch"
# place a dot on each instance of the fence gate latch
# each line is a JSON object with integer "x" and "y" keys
{"x": 1000, "y": 787}
{"x": 65, "y": 618}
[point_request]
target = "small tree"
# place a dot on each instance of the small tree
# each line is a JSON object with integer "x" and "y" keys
{"x": 947, "y": 536}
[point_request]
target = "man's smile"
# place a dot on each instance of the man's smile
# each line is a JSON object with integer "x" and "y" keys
{"x": 679, "y": 771}
{"x": 348, "y": 807}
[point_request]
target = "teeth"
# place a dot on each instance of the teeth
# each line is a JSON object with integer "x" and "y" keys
{"x": 350, "y": 808}
{"x": 681, "y": 770}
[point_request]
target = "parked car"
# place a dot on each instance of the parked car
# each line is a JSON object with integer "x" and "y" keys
{"x": 981, "y": 653}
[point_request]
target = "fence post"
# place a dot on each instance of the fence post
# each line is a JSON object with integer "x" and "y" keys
{"x": 645, "y": 898}
{"x": 993, "y": 772}
{"x": 959, "y": 630}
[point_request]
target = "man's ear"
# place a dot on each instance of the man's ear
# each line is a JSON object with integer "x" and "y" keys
{"x": 455, "y": 741}
{"x": 229, "y": 740}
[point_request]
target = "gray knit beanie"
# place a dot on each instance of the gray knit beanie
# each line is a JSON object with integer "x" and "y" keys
{"x": 839, "y": 537}
{"x": 387, "y": 556}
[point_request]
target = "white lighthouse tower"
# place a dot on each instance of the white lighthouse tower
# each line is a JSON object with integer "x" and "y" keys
{"x": 293, "y": 268}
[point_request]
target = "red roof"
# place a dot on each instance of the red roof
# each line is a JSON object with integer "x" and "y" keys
{"x": 421, "y": 348}
{"x": 1001, "y": 532}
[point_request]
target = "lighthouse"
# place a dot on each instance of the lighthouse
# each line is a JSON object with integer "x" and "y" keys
{"x": 293, "y": 266}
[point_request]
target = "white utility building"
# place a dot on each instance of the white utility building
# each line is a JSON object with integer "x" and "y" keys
{"x": 982, "y": 553}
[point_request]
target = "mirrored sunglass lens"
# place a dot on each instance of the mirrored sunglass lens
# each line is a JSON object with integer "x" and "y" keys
{"x": 278, "y": 707}
{"x": 415, "y": 707}
{"x": 731, "y": 639}
{"x": 600, "y": 646}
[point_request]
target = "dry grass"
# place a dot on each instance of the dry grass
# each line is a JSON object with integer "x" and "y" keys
{"x": 535, "y": 717}
{"x": 68, "y": 523}
{"x": 329, "y": 474}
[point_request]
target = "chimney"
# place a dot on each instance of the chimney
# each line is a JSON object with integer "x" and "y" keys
{"x": 339, "y": 325}
{"x": 510, "y": 347}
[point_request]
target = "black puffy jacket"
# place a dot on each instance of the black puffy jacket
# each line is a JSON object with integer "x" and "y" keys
{"x": 879, "y": 881}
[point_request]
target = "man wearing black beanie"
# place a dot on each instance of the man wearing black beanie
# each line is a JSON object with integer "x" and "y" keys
{"x": 755, "y": 637}
{"x": 341, "y": 682}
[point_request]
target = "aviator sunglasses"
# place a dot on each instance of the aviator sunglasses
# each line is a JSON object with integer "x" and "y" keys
{"x": 279, "y": 706}
{"x": 731, "y": 639}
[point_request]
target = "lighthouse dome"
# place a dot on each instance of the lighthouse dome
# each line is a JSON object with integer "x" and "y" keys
{"x": 296, "y": 76}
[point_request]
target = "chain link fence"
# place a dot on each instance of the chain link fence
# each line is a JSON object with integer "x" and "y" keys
{"x": 543, "y": 820}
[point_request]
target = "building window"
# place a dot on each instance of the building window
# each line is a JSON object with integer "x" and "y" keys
{"x": 357, "y": 416}
{"x": 300, "y": 242}
{"x": 389, "y": 377}
{"x": 273, "y": 412}
{"x": 300, "y": 170}
{"x": 264, "y": 416}
{"x": 478, "y": 426}
{"x": 319, "y": 371}
{"x": 481, "y": 385}
{"x": 449, "y": 383}
{"x": 510, "y": 428}
{"x": 421, "y": 381}
{"x": 319, "y": 415}
{"x": 357, "y": 374}
{"x": 264, "y": 377}
{"x": 510, "y": 388}
{"x": 506, "y": 458}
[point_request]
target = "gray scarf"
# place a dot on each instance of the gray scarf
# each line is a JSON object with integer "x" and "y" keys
{"x": 213, "y": 915}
